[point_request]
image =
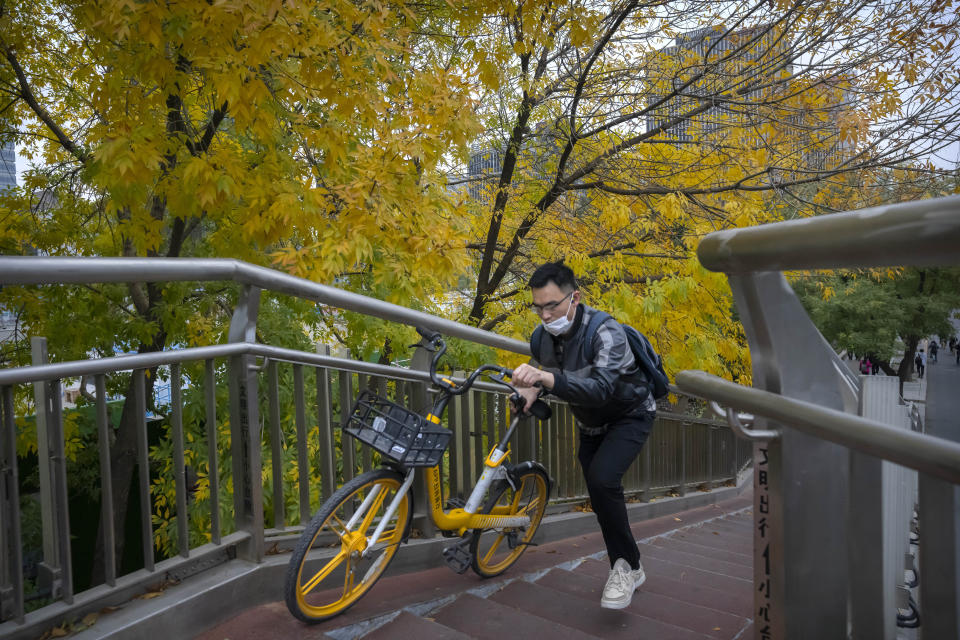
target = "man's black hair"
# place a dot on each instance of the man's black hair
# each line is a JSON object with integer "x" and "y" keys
{"x": 555, "y": 272}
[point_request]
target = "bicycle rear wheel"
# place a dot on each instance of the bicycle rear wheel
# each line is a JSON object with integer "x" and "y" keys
{"x": 494, "y": 550}
{"x": 327, "y": 574}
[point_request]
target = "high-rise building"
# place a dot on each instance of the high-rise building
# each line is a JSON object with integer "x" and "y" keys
{"x": 737, "y": 82}
{"x": 718, "y": 63}
{"x": 484, "y": 167}
{"x": 8, "y": 166}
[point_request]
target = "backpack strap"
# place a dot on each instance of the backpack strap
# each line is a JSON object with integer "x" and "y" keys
{"x": 598, "y": 318}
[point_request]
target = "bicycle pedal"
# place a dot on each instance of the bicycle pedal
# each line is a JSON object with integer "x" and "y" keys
{"x": 457, "y": 556}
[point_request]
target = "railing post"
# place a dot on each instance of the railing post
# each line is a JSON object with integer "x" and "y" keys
{"x": 421, "y": 496}
{"x": 683, "y": 457}
{"x": 143, "y": 469}
{"x": 800, "y": 543}
{"x": 210, "y": 396}
{"x": 682, "y": 407}
{"x": 276, "y": 451}
{"x": 48, "y": 571}
{"x": 11, "y": 550}
{"x": 710, "y": 478}
{"x": 328, "y": 468}
{"x": 245, "y": 426}
{"x": 647, "y": 470}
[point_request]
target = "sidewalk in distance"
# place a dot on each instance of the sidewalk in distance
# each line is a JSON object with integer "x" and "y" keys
{"x": 943, "y": 398}
{"x": 699, "y": 585}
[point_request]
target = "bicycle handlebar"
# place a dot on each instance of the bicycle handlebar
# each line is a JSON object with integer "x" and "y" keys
{"x": 435, "y": 342}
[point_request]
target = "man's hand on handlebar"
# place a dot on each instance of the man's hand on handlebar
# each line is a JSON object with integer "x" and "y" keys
{"x": 530, "y": 381}
{"x": 528, "y": 395}
{"x": 527, "y": 376}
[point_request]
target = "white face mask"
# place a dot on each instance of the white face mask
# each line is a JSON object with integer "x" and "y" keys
{"x": 561, "y": 325}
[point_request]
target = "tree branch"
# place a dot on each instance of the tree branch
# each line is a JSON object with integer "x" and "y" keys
{"x": 26, "y": 94}
{"x": 211, "y": 128}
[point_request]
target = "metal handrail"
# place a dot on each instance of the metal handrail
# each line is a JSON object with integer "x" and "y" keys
{"x": 748, "y": 433}
{"x": 704, "y": 458}
{"x": 925, "y": 453}
{"x": 920, "y": 233}
{"x": 129, "y": 362}
{"x": 20, "y": 270}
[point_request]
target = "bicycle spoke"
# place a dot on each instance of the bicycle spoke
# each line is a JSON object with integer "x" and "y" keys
{"x": 533, "y": 505}
{"x": 488, "y": 556}
{"x": 343, "y": 527}
{"x": 321, "y": 575}
{"x": 317, "y": 595}
{"x": 497, "y": 548}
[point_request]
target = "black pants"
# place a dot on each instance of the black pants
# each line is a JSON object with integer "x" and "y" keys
{"x": 604, "y": 459}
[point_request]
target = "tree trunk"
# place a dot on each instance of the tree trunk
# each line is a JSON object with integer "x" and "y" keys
{"x": 906, "y": 365}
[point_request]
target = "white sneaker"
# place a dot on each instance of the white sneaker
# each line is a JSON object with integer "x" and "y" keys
{"x": 618, "y": 592}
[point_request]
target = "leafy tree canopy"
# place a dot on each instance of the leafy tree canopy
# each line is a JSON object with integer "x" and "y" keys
{"x": 886, "y": 313}
{"x": 882, "y": 315}
{"x": 618, "y": 134}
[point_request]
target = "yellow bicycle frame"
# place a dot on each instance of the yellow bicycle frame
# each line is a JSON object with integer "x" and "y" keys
{"x": 461, "y": 521}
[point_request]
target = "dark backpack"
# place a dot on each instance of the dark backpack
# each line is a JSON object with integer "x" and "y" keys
{"x": 648, "y": 360}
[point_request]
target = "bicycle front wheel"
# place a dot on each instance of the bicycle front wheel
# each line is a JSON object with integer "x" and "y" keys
{"x": 335, "y": 563}
{"x": 494, "y": 550}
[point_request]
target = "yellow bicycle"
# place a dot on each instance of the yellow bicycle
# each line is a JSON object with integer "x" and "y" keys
{"x": 351, "y": 540}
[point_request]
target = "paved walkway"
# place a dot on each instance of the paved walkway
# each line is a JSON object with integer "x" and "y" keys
{"x": 699, "y": 567}
{"x": 943, "y": 397}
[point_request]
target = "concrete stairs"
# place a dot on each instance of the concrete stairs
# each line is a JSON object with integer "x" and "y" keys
{"x": 698, "y": 564}
{"x": 699, "y": 585}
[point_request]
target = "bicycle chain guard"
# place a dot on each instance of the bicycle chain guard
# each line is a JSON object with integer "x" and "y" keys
{"x": 457, "y": 556}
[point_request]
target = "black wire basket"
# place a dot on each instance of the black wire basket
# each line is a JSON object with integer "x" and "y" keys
{"x": 397, "y": 432}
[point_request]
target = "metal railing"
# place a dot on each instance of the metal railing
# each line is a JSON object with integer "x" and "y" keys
{"x": 261, "y": 420}
{"x": 823, "y": 556}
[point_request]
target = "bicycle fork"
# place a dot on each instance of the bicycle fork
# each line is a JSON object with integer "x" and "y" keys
{"x": 391, "y": 509}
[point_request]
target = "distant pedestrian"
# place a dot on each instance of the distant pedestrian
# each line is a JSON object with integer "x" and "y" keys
{"x": 921, "y": 362}
{"x": 865, "y": 365}
{"x": 875, "y": 367}
{"x": 934, "y": 347}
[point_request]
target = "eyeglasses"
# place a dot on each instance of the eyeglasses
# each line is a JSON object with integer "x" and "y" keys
{"x": 549, "y": 306}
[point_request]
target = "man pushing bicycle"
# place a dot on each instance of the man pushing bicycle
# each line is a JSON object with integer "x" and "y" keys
{"x": 588, "y": 362}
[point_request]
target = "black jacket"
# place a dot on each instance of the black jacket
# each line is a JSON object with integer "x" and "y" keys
{"x": 600, "y": 391}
